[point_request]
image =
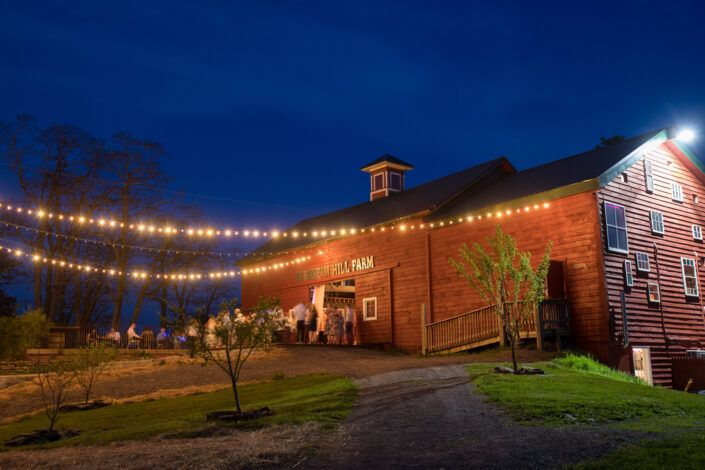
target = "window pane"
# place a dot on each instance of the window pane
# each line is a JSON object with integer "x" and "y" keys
{"x": 610, "y": 215}
{"x": 612, "y": 237}
{"x": 619, "y": 214}
{"x": 622, "y": 239}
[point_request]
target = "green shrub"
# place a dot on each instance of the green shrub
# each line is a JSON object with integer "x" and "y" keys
{"x": 20, "y": 332}
{"x": 588, "y": 364}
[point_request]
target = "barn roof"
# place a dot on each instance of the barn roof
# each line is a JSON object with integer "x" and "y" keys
{"x": 491, "y": 184}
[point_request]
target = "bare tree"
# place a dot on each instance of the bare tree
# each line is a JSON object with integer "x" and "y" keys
{"x": 53, "y": 378}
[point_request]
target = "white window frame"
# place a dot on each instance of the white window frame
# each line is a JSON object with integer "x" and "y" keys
{"x": 677, "y": 192}
{"x": 648, "y": 176}
{"x": 365, "y": 316}
{"x": 658, "y": 292}
{"x": 617, "y": 227}
{"x": 648, "y": 262}
{"x": 691, "y": 262}
{"x": 697, "y": 232}
{"x": 628, "y": 273}
{"x": 401, "y": 181}
{"x": 657, "y": 222}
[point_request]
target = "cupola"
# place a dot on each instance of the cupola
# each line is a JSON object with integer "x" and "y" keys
{"x": 386, "y": 175}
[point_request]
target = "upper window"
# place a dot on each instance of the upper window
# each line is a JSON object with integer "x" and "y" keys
{"x": 648, "y": 176}
{"x": 654, "y": 293}
{"x": 369, "y": 309}
{"x": 677, "y": 192}
{"x": 379, "y": 181}
{"x": 697, "y": 232}
{"x": 642, "y": 261}
{"x": 657, "y": 222}
{"x": 690, "y": 277}
{"x": 628, "y": 278}
{"x": 394, "y": 180}
{"x": 616, "y": 224}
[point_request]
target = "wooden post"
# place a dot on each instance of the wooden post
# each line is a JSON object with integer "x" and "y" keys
{"x": 423, "y": 329}
{"x": 539, "y": 328}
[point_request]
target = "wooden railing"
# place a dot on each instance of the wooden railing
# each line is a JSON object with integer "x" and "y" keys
{"x": 467, "y": 328}
{"x": 554, "y": 314}
{"x": 482, "y": 326}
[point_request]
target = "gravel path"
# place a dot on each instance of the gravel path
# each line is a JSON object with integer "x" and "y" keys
{"x": 432, "y": 418}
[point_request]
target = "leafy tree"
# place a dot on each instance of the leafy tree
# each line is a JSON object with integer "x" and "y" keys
{"x": 504, "y": 277}
{"x": 615, "y": 139}
{"x": 229, "y": 341}
{"x": 19, "y": 332}
{"x": 89, "y": 363}
{"x": 54, "y": 378}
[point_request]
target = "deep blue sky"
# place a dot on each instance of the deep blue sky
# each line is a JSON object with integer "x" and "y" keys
{"x": 280, "y": 103}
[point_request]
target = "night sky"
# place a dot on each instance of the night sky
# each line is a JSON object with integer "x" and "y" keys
{"x": 268, "y": 109}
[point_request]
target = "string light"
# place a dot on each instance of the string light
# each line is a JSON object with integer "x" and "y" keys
{"x": 193, "y": 232}
{"x": 83, "y": 266}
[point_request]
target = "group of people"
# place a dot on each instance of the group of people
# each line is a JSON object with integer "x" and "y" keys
{"x": 332, "y": 326}
{"x": 134, "y": 340}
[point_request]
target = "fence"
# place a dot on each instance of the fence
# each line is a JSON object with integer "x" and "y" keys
{"x": 78, "y": 336}
{"x": 685, "y": 368}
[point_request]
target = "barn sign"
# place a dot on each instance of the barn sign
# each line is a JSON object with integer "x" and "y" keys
{"x": 344, "y": 267}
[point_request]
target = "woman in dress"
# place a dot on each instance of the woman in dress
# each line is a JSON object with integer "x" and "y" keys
{"x": 312, "y": 324}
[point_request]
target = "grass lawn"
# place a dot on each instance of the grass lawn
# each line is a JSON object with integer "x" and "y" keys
{"x": 577, "y": 390}
{"x": 324, "y": 398}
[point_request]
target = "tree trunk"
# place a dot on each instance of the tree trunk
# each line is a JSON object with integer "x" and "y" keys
{"x": 237, "y": 397}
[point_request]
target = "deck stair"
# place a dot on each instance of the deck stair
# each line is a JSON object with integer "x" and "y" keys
{"x": 482, "y": 327}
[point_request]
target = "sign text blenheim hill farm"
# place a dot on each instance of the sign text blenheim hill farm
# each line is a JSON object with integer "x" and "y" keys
{"x": 344, "y": 267}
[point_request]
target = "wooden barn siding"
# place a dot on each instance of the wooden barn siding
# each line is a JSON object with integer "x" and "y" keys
{"x": 571, "y": 223}
{"x": 682, "y": 317}
{"x": 403, "y": 250}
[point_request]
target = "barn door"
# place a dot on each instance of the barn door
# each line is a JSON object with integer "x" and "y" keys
{"x": 555, "y": 281}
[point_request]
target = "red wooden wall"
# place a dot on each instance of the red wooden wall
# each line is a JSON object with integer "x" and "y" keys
{"x": 682, "y": 321}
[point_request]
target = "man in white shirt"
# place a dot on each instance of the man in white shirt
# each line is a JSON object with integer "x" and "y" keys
{"x": 132, "y": 335}
{"x": 114, "y": 336}
{"x": 300, "y": 317}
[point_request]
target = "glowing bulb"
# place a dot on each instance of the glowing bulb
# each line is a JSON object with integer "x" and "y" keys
{"x": 189, "y": 231}
{"x": 545, "y": 204}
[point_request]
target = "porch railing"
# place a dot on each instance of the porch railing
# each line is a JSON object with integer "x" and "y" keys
{"x": 483, "y": 326}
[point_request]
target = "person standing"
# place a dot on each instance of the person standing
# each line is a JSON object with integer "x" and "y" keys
{"x": 300, "y": 317}
{"x": 349, "y": 320}
{"x": 312, "y": 324}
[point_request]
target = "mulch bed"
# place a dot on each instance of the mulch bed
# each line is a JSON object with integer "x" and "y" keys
{"x": 84, "y": 406}
{"x": 235, "y": 416}
{"x": 41, "y": 436}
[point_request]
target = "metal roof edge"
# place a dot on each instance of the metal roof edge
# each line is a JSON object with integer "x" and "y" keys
{"x": 541, "y": 197}
{"x": 633, "y": 157}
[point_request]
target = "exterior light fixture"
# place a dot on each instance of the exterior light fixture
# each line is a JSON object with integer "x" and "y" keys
{"x": 686, "y": 135}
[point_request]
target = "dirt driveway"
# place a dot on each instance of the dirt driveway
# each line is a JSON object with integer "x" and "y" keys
{"x": 432, "y": 418}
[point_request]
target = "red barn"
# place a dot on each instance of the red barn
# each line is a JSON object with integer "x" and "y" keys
{"x": 625, "y": 221}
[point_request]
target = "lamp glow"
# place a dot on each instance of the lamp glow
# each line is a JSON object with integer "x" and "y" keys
{"x": 686, "y": 135}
